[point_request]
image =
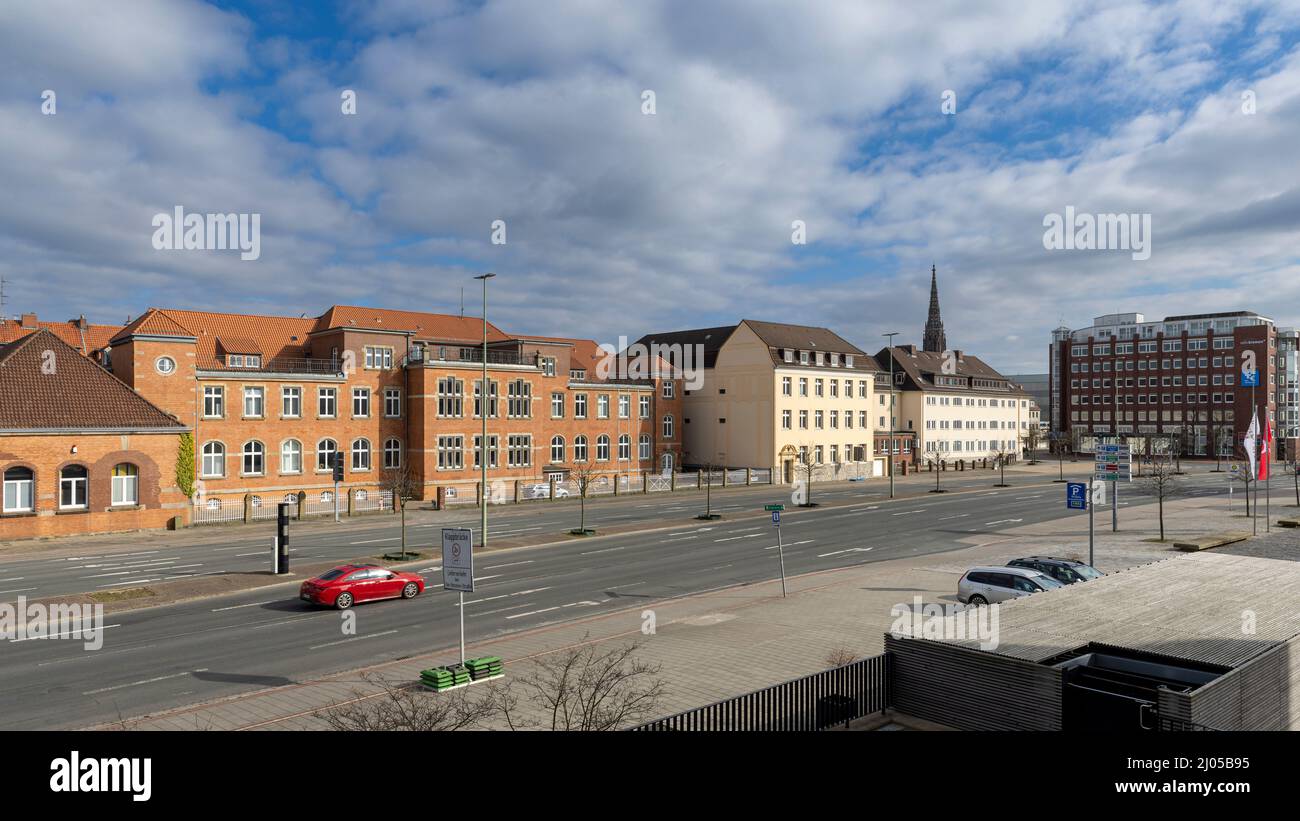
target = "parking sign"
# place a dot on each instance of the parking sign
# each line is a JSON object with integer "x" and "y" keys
{"x": 1076, "y": 496}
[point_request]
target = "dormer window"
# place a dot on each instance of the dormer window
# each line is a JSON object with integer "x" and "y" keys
{"x": 848, "y": 360}
{"x": 239, "y": 360}
{"x": 803, "y": 357}
{"x": 835, "y": 360}
{"x": 788, "y": 355}
{"x": 821, "y": 359}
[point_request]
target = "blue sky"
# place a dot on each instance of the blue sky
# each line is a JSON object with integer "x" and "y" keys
{"x": 619, "y": 222}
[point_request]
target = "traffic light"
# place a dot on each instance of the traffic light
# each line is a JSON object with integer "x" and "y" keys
{"x": 338, "y": 466}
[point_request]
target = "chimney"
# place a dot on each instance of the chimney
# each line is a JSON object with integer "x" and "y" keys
{"x": 29, "y": 320}
{"x": 82, "y": 324}
{"x": 957, "y": 353}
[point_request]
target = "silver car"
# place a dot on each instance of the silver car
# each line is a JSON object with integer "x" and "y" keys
{"x": 986, "y": 585}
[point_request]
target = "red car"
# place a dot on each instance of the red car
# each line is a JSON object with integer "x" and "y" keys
{"x": 348, "y": 584}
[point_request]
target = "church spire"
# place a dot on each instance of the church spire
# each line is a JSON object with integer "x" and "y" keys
{"x": 934, "y": 340}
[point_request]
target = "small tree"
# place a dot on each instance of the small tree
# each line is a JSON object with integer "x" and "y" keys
{"x": 1033, "y": 440}
{"x": 408, "y": 707}
{"x": 804, "y": 468}
{"x": 1001, "y": 457}
{"x": 403, "y": 485}
{"x": 937, "y": 470}
{"x": 1243, "y": 476}
{"x": 583, "y": 475}
{"x": 1295, "y": 478}
{"x": 1162, "y": 480}
{"x": 1057, "y": 444}
{"x": 185, "y": 465}
{"x": 707, "y": 477}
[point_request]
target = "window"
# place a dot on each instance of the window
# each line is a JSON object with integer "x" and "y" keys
{"x": 450, "y": 398}
{"x": 392, "y": 403}
{"x": 787, "y": 386}
{"x": 643, "y": 446}
{"x": 18, "y": 487}
{"x": 379, "y": 358}
{"x": 254, "y": 459}
{"x": 254, "y": 402}
{"x": 290, "y": 402}
{"x": 803, "y": 386}
{"x": 519, "y": 451}
{"x": 580, "y": 449}
{"x": 602, "y": 406}
{"x": 580, "y": 406}
{"x": 786, "y": 419}
{"x": 451, "y": 452}
{"x": 557, "y": 405}
{"x": 361, "y": 454}
{"x": 392, "y": 454}
{"x": 602, "y": 448}
{"x": 819, "y": 387}
{"x": 557, "y": 448}
{"x": 519, "y": 399}
{"x": 494, "y": 444}
{"x": 643, "y": 407}
{"x": 668, "y": 389}
{"x": 326, "y": 402}
{"x": 624, "y": 406}
{"x": 803, "y": 420}
{"x": 126, "y": 484}
{"x": 325, "y": 450}
{"x": 548, "y": 365}
{"x": 360, "y": 403}
{"x": 668, "y": 427}
{"x": 72, "y": 487}
{"x": 291, "y": 456}
{"x": 624, "y": 447}
{"x": 492, "y": 399}
{"x": 213, "y": 462}
{"x": 214, "y": 402}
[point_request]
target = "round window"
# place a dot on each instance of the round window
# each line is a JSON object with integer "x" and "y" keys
{"x": 165, "y": 365}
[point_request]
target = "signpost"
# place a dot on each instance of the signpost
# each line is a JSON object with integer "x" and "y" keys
{"x": 1076, "y": 498}
{"x": 1114, "y": 464}
{"x": 458, "y": 569}
{"x": 780, "y": 549}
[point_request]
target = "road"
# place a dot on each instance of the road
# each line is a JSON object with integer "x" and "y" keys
{"x": 168, "y": 656}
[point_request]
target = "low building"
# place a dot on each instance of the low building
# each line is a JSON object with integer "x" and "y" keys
{"x": 80, "y": 452}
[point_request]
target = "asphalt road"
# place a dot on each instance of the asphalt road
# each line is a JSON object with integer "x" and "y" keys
{"x": 179, "y": 654}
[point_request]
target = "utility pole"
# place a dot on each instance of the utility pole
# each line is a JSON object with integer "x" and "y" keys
{"x": 483, "y": 441}
{"x": 889, "y": 446}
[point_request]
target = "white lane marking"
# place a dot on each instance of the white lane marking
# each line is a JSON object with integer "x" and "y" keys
{"x": 18, "y": 590}
{"x": 606, "y": 550}
{"x": 101, "y": 575}
{"x": 354, "y": 638}
{"x": 254, "y": 553}
{"x": 372, "y": 541}
{"x": 792, "y": 544}
{"x": 503, "y": 596}
{"x": 429, "y": 570}
{"x": 485, "y": 578}
{"x": 73, "y": 632}
{"x": 511, "y": 564}
{"x": 533, "y": 612}
{"x": 958, "y": 516}
{"x": 143, "y": 681}
{"x": 14, "y": 579}
{"x": 905, "y": 512}
{"x": 238, "y": 606}
{"x": 621, "y": 586}
{"x": 846, "y": 550}
{"x": 1002, "y": 522}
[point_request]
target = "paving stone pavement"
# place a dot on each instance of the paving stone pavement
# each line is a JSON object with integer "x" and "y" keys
{"x": 719, "y": 644}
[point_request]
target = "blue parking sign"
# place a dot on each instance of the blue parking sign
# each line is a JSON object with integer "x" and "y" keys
{"x": 776, "y": 517}
{"x": 1076, "y": 496}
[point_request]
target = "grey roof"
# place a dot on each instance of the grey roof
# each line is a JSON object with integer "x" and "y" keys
{"x": 802, "y": 337}
{"x": 921, "y": 366}
{"x": 710, "y": 339}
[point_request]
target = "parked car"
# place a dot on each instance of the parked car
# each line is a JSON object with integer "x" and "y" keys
{"x": 542, "y": 490}
{"x": 347, "y": 584}
{"x": 1065, "y": 571}
{"x": 985, "y": 585}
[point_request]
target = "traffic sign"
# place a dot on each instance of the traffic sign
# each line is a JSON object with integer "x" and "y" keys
{"x": 774, "y": 507}
{"x": 776, "y": 517}
{"x": 1076, "y": 496}
{"x": 1250, "y": 379}
{"x": 1113, "y": 463}
{"x": 458, "y": 559}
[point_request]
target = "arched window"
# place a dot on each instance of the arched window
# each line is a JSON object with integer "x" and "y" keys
{"x": 361, "y": 454}
{"x": 126, "y": 484}
{"x": 326, "y": 497}
{"x": 624, "y": 447}
{"x": 602, "y": 448}
{"x": 73, "y": 485}
{"x": 18, "y": 487}
{"x": 557, "y": 448}
{"x": 291, "y": 456}
{"x": 668, "y": 427}
{"x": 325, "y": 450}
{"x": 214, "y": 459}
{"x": 580, "y": 449}
{"x": 392, "y": 453}
{"x": 254, "y": 458}
{"x": 643, "y": 446}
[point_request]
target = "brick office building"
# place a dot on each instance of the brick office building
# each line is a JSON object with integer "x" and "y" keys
{"x": 1180, "y": 383}
{"x": 79, "y": 451}
{"x": 271, "y": 399}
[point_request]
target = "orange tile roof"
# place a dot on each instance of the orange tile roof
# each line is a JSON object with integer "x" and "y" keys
{"x": 277, "y": 337}
{"x": 93, "y": 338}
{"x": 441, "y": 327}
{"x": 77, "y": 394}
{"x": 153, "y": 322}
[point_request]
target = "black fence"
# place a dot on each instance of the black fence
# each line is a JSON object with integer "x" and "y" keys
{"x": 816, "y": 702}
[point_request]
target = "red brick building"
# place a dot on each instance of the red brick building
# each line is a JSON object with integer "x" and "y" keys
{"x": 79, "y": 451}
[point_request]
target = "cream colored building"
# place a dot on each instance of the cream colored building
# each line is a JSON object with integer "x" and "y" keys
{"x": 959, "y": 407}
{"x": 775, "y": 396}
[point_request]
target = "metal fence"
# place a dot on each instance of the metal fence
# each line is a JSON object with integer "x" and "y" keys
{"x": 761, "y": 476}
{"x": 659, "y": 482}
{"x": 366, "y": 501}
{"x": 816, "y": 702}
{"x": 214, "y": 511}
{"x": 687, "y": 480}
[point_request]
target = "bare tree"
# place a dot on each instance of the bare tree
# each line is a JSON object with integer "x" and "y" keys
{"x": 400, "y": 482}
{"x": 937, "y": 470}
{"x": 840, "y": 656}
{"x": 1001, "y": 457}
{"x": 408, "y": 707}
{"x": 583, "y": 688}
{"x": 805, "y": 467}
{"x": 583, "y": 475}
{"x": 1162, "y": 480}
{"x": 1033, "y": 440}
{"x": 1295, "y": 478}
{"x": 1058, "y": 445}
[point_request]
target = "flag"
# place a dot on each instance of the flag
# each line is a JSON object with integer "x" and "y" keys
{"x": 1251, "y": 444}
{"x": 1266, "y": 448}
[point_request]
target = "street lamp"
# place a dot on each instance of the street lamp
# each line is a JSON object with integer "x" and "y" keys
{"x": 483, "y": 415}
{"x": 889, "y": 447}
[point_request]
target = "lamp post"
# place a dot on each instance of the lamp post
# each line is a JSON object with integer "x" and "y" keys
{"x": 890, "y": 446}
{"x": 483, "y": 415}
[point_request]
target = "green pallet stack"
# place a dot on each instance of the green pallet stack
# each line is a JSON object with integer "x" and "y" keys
{"x": 443, "y": 678}
{"x": 486, "y": 667}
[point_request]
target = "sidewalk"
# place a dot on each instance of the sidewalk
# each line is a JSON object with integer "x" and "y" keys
{"x": 719, "y": 644}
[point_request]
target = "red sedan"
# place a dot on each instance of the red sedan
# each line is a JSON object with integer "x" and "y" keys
{"x": 351, "y": 583}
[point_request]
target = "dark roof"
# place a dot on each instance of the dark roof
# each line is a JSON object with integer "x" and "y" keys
{"x": 802, "y": 337}
{"x": 46, "y": 384}
{"x": 711, "y": 339}
{"x": 921, "y": 366}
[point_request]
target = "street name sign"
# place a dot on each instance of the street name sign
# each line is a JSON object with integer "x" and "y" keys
{"x": 1114, "y": 463}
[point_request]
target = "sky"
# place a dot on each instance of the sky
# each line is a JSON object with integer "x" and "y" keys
{"x": 897, "y": 135}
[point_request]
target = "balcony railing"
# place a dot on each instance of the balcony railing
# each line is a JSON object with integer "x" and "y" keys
{"x": 286, "y": 365}
{"x": 433, "y": 354}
